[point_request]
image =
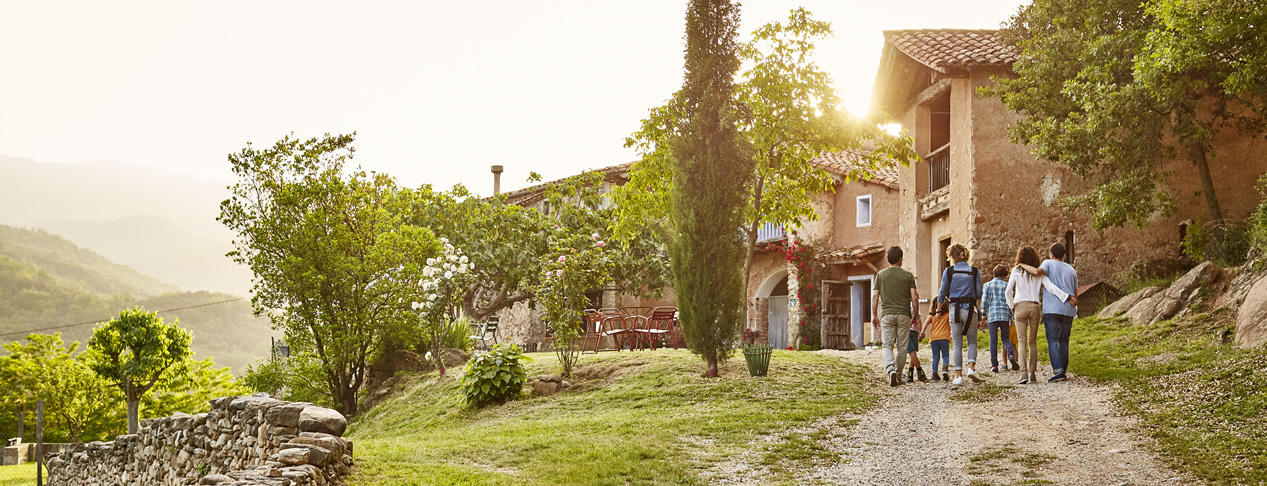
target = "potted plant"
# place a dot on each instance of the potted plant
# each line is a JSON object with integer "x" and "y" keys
{"x": 756, "y": 355}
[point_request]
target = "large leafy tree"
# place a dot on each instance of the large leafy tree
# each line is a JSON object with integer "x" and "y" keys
{"x": 788, "y": 111}
{"x": 137, "y": 351}
{"x": 1111, "y": 89}
{"x": 710, "y": 164}
{"x": 331, "y": 250}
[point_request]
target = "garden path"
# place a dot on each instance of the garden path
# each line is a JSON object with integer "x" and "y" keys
{"x": 997, "y": 433}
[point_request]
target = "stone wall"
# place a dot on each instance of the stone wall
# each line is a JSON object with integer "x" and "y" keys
{"x": 241, "y": 441}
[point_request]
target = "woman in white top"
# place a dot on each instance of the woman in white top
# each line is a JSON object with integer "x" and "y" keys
{"x": 1024, "y": 296}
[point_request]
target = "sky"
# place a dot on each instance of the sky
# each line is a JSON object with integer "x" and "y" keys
{"x": 437, "y": 91}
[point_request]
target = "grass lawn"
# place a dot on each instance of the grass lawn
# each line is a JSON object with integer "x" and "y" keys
{"x": 630, "y": 418}
{"x": 1199, "y": 397}
{"x": 20, "y": 475}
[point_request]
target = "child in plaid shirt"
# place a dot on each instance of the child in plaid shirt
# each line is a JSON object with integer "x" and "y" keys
{"x": 999, "y": 317}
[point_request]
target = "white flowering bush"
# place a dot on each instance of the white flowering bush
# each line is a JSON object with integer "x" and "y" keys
{"x": 445, "y": 279}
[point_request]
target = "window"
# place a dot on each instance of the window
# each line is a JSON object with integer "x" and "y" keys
{"x": 945, "y": 260}
{"x": 864, "y": 210}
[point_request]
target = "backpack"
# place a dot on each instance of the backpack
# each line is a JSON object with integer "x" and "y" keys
{"x": 972, "y": 308}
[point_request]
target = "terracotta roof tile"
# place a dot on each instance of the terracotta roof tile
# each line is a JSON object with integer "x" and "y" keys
{"x": 943, "y": 48}
{"x": 848, "y": 162}
{"x": 854, "y": 254}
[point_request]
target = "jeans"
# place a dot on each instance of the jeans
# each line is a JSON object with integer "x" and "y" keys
{"x": 996, "y": 328}
{"x": 941, "y": 349}
{"x": 957, "y": 331}
{"x": 1058, "y": 328}
{"x": 894, "y": 333}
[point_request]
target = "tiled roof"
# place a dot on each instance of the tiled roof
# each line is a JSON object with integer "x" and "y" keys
{"x": 850, "y": 162}
{"x": 851, "y": 254}
{"x": 943, "y": 48}
{"x": 531, "y": 194}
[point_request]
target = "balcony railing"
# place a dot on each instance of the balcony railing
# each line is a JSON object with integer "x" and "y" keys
{"x": 770, "y": 232}
{"x": 938, "y": 168}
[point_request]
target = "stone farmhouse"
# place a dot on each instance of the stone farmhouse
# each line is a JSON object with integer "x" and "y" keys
{"x": 973, "y": 186}
{"x": 978, "y": 188}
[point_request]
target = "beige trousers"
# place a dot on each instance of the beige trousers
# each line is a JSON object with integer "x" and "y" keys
{"x": 1029, "y": 316}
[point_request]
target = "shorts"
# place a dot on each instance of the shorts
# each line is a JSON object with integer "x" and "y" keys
{"x": 912, "y": 344}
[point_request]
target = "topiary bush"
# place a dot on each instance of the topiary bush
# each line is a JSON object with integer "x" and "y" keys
{"x": 495, "y": 376}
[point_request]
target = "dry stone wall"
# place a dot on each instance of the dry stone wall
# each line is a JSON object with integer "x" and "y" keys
{"x": 241, "y": 441}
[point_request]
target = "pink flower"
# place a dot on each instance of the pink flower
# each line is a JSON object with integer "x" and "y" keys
{"x": 600, "y": 243}
{"x": 594, "y": 236}
{"x": 563, "y": 258}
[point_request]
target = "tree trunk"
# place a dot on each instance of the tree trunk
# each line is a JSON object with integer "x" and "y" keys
{"x": 134, "y": 413}
{"x": 1197, "y": 151}
{"x": 711, "y": 372}
{"x": 752, "y": 245}
{"x": 347, "y": 401}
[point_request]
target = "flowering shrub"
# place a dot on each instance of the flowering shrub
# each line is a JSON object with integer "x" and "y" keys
{"x": 444, "y": 279}
{"x": 750, "y": 337}
{"x": 581, "y": 265}
{"x": 495, "y": 376}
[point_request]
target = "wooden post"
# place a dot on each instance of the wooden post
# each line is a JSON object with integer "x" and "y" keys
{"x": 39, "y": 443}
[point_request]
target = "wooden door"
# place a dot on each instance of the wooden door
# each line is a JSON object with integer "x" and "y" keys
{"x": 778, "y": 322}
{"x": 835, "y": 318}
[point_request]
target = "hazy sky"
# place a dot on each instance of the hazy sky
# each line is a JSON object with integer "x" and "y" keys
{"x": 436, "y": 91}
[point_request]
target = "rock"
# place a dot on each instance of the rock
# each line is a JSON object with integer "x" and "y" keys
{"x": 1251, "y": 317}
{"x": 293, "y": 456}
{"x": 216, "y": 479}
{"x": 285, "y": 415}
{"x": 545, "y": 388}
{"x": 321, "y": 419}
{"x": 550, "y": 378}
{"x": 1204, "y": 274}
{"x": 1125, "y": 303}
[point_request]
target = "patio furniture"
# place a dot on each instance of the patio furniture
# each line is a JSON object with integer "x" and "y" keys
{"x": 662, "y": 323}
{"x": 614, "y": 325}
{"x": 485, "y": 331}
{"x": 593, "y": 329}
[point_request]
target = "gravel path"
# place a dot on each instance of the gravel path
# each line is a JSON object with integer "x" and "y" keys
{"x": 1059, "y": 433}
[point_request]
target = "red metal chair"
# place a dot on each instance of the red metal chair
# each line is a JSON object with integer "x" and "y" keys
{"x": 662, "y": 323}
{"x": 613, "y": 324}
{"x": 593, "y": 329}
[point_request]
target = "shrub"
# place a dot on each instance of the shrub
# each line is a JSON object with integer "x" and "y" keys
{"x": 1258, "y": 220}
{"x": 495, "y": 376}
{"x": 1225, "y": 243}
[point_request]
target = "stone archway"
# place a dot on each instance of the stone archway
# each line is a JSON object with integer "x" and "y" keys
{"x": 772, "y": 307}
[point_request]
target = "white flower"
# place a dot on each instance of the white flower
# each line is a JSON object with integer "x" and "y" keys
{"x": 444, "y": 240}
{"x": 431, "y": 297}
{"x": 431, "y": 261}
{"x": 448, "y": 274}
{"x": 414, "y": 306}
{"x": 463, "y": 259}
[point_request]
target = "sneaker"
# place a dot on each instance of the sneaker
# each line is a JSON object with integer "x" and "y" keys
{"x": 972, "y": 375}
{"x": 958, "y": 381}
{"x": 1033, "y": 377}
{"x": 892, "y": 378}
{"x": 936, "y": 377}
{"x": 910, "y": 375}
{"x": 945, "y": 376}
{"x": 995, "y": 369}
{"x": 1015, "y": 365}
{"x": 922, "y": 376}
{"x": 1024, "y": 381}
{"x": 1058, "y": 378}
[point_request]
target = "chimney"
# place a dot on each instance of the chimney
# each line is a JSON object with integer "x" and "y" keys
{"x": 497, "y": 180}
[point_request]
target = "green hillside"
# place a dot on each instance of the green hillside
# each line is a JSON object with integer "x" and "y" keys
{"x": 47, "y": 281}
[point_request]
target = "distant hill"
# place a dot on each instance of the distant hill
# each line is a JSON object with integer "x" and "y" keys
{"x": 160, "y": 222}
{"x": 47, "y": 281}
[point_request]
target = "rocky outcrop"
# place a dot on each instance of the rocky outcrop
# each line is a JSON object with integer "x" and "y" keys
{"x": 1154, "y": 304}
{"x": 1251, "y": 316}
{"x": 241, "y": 441}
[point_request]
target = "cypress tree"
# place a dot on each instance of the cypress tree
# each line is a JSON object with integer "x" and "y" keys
{"x": 710, "y": 168}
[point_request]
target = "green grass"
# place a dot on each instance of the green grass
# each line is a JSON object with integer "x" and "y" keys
{"x": 1198, "y": 397}
{"x": 630, "y": 418}
{"x": 20, "y": 475}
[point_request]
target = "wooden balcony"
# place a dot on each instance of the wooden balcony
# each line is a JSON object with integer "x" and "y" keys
{"x": 938, "y": 168}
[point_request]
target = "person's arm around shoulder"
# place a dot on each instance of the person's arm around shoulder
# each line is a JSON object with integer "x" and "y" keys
{"x": 1035, "y": 271}
{"x": 1057, "y": 291}
{"x": 1010, "y": 293}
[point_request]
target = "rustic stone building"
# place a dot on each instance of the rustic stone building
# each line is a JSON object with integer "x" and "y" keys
{"x": 978, "y": 188}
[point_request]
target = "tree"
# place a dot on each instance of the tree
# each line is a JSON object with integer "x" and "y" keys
{"x": 789, "y": 113}
{"x": 445, "y": 278}
{"x": 136, "y": 351}
{"x": 710, "y": 165}
{"x": 331, "y": 252}
{"x": 580, "y": 264}
{"x": 1112, "y": 88}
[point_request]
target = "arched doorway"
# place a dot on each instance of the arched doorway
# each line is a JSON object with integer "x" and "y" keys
{"x": 774, "y": 289}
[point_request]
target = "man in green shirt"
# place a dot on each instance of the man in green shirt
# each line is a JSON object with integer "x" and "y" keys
{"x": 891, "y": 303}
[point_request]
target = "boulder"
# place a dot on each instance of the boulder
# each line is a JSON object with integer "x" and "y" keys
{"x": 1251, "y": 317}
{"x": 1204, "y": 274}
{"x": 321, "y": 419}
{"x": 285, "y": 415}
{"x": 293, "y": 456}
{"x": 1154, "y": 304}
{"x": 1125, "y": 304}
{"x": 545, "y": 388}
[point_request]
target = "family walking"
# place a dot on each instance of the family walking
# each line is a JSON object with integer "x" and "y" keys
{"x": 1032, "y": 291}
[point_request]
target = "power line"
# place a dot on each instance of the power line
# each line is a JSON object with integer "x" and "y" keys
{"x": 103, "y": 320}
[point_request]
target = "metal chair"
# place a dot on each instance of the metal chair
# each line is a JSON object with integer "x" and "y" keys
{"x": 614, "y": 325}
{"x": 593, "y": 329}
{"x": 486, "y": 331}
{"x": 661, "y": 323}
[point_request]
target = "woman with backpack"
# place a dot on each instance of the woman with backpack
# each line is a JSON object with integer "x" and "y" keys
{"x": 961, "y": 287}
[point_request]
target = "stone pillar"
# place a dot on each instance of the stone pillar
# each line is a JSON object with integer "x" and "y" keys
{"x": 761, "y": 318}
{"x": 795, "y": 312}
